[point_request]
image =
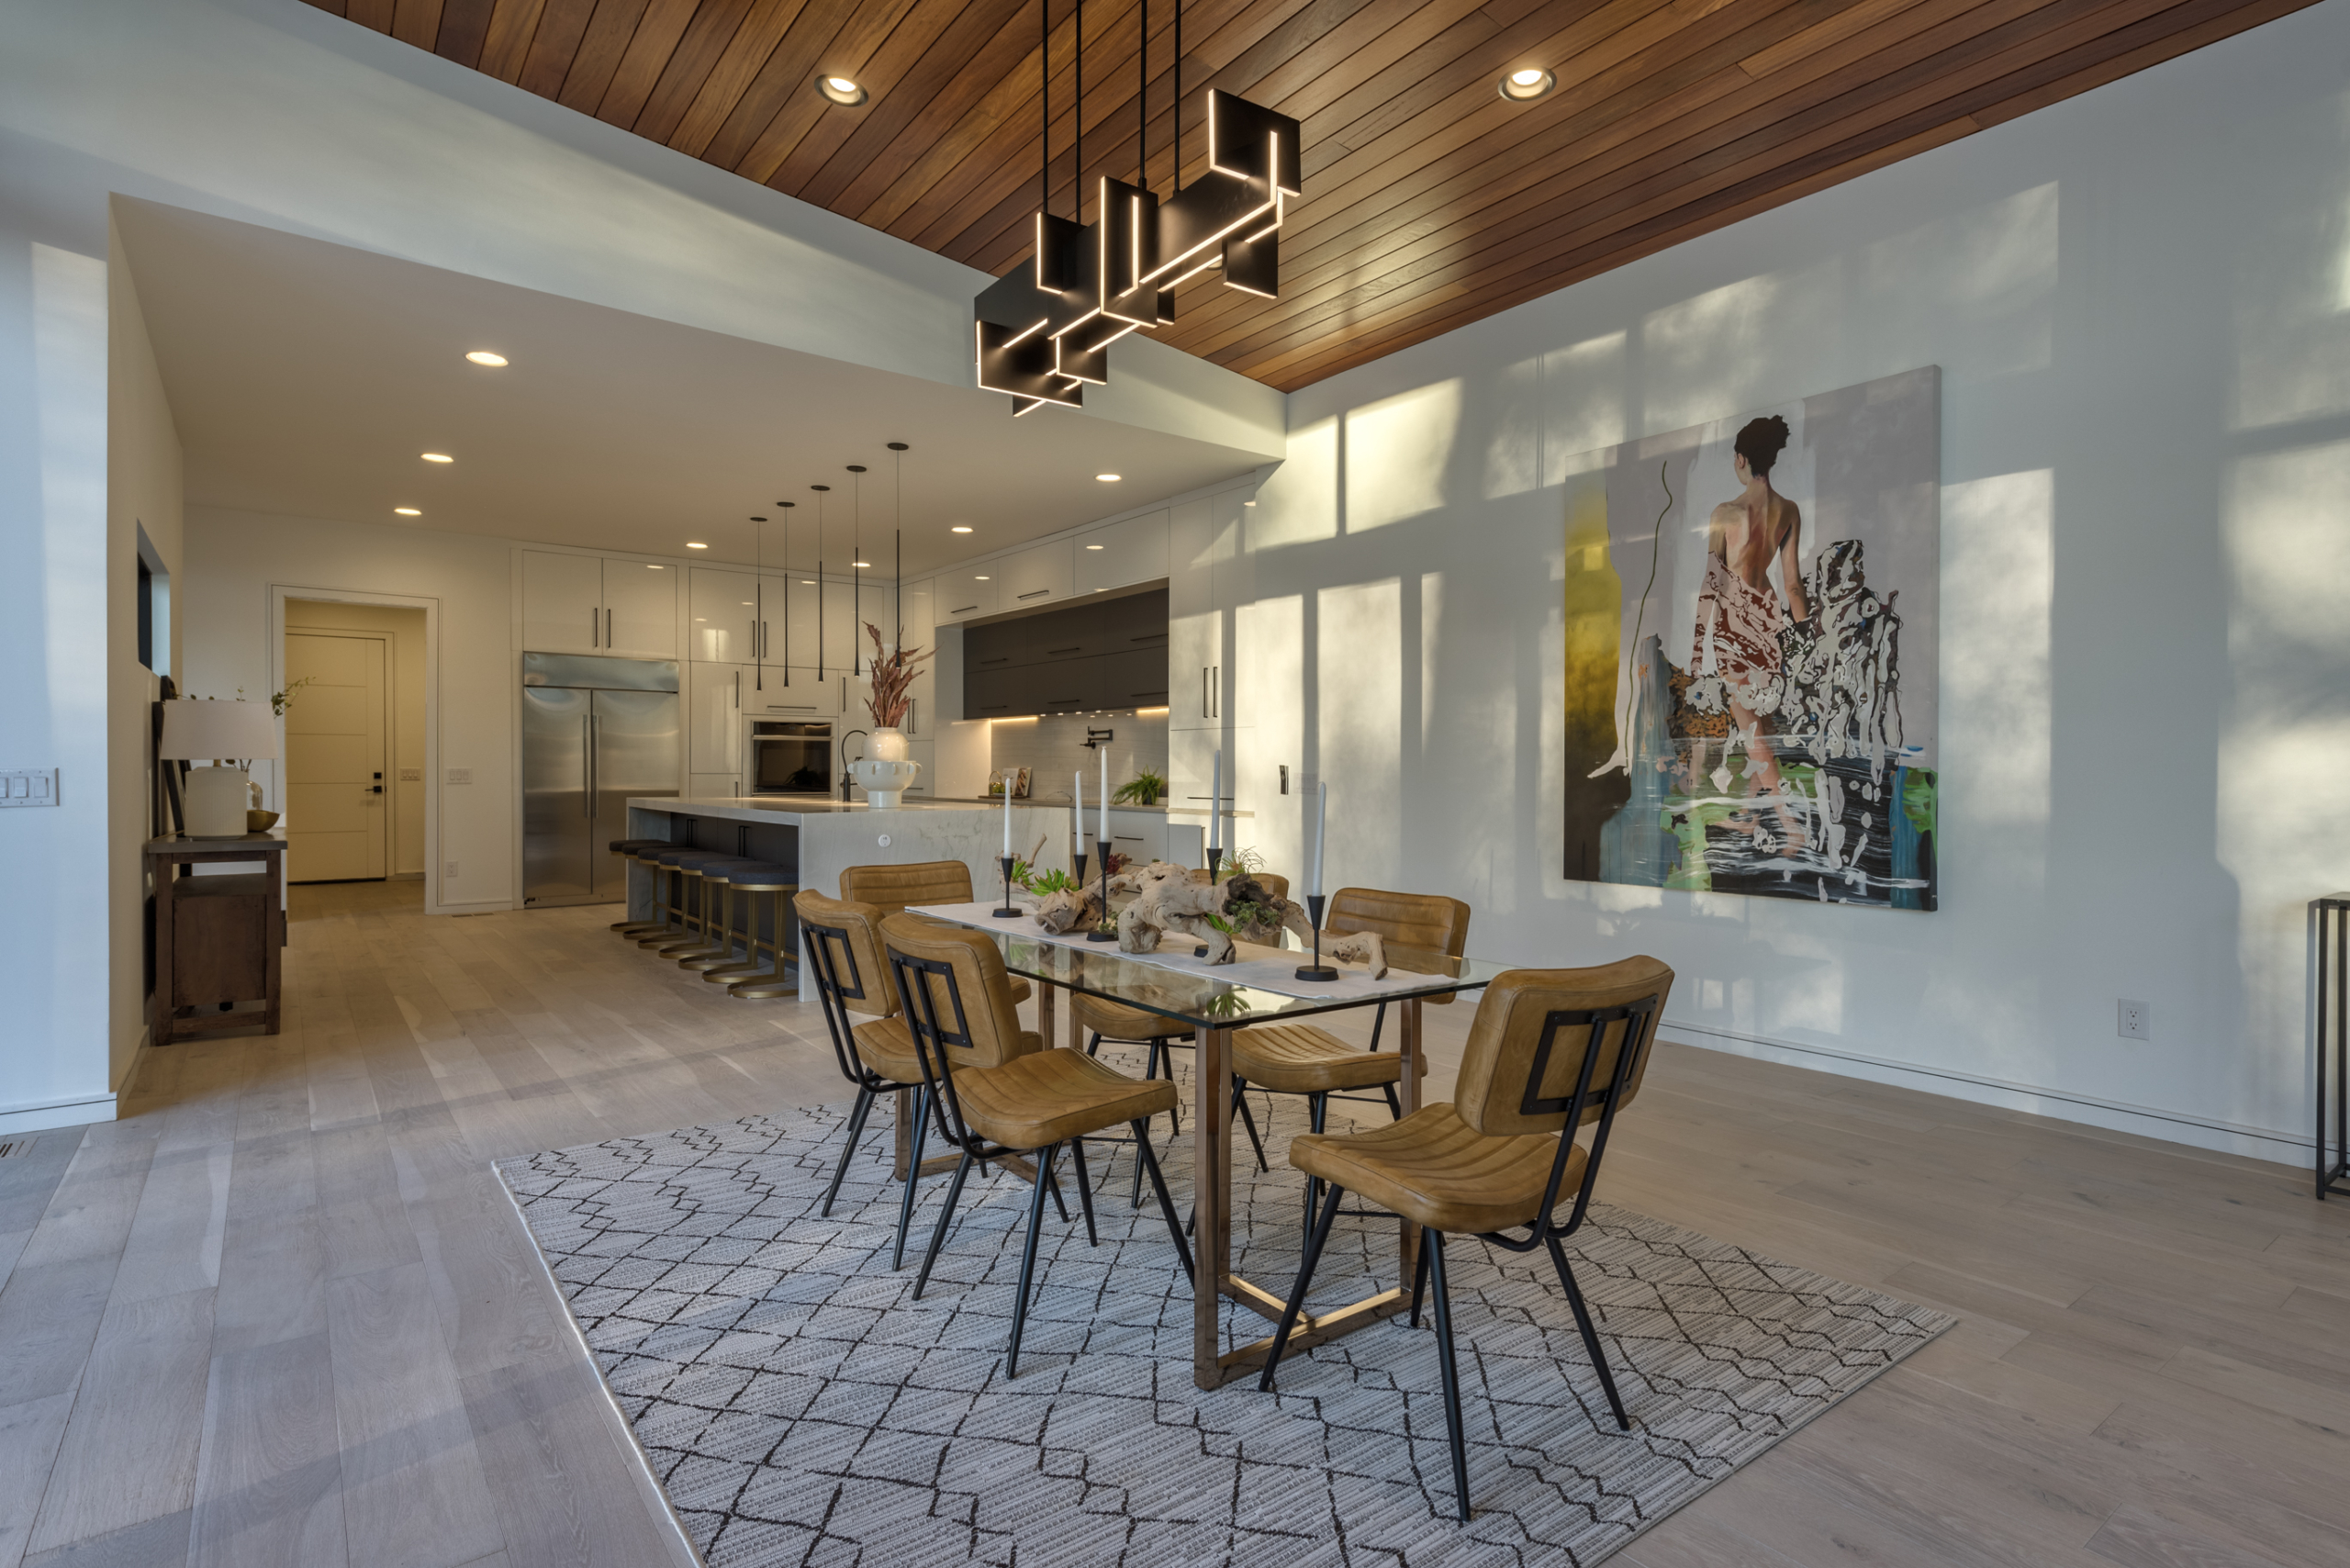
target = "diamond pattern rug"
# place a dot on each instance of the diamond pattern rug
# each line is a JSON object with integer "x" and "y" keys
{"x": 799, "y": 1407}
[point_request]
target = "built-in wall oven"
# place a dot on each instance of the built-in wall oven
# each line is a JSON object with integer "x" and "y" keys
{"x": 790, "y": 756}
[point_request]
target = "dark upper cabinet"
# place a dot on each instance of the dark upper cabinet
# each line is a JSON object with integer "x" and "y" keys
{"x": 1109, "y": 653}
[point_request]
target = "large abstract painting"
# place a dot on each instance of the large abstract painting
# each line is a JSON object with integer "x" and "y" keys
{"x": 1750, "y": 652}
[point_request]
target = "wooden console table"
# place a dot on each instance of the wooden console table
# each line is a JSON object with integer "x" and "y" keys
{"x": 218, "y": 939}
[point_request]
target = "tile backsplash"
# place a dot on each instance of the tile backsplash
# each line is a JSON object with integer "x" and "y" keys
{"x": 1053, "y": 748}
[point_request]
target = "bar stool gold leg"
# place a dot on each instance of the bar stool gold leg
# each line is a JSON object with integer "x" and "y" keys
{"x": 720, "y": 951}
{"x": 695, "y": 943}
{"x": 666, "y": 905}
{"x": 726, "y": 971}
{"x": 636, "y": 928}
{"x": 782, "y": 946}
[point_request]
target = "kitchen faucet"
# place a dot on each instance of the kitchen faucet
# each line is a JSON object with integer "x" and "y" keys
{"x": 846, "y": 780}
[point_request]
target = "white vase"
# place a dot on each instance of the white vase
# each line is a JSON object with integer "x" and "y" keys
{"x": 884, "y": 774}
{"x": 214, "y": 800}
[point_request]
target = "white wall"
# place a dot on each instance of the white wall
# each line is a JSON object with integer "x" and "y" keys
{"x": 235, "y": 559}
{"x": 2141, "y": 301}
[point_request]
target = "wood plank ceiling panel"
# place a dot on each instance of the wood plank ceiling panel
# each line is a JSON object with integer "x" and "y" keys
{"x": 1429, "y": 201}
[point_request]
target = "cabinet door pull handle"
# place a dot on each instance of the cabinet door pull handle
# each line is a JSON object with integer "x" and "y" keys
{"x": 1078, "y": 649}
{"x": 961, "y": 608}
{"x": 1216, "y": 694}
{"x": 1032, "y": 593}
{"x": 595, "y": 627}
{"x": 1204, "y": 691}
{"x": 738, "y": 689}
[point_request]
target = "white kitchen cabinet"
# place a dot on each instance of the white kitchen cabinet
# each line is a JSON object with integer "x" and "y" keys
{"x": 968, "y": 594}
{"x": 717, "y": 786}
{"x": 1038, "y": 575}
{"x": 641, "y": 610}
{"x": 926, "y": 753}
{"x": 1140, "y": 837}
{"x": 586, "y": 604}
{"x": 714, "y": 716}
{"x": 774, "y": 692}
{"x": 1124, "y": 554}
{"x": 722, "y": 615}
{"x": 563, "y": 603}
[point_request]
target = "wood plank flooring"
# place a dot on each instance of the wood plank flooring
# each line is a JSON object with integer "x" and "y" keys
{"x": 282, "y": 1313}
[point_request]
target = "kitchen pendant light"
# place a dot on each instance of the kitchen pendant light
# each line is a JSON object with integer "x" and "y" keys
{"x": 822, "y": 491}
{"x": 897, "y": 450}
{"x": 1044, "y": 329}
{"x": 857, "y": 559}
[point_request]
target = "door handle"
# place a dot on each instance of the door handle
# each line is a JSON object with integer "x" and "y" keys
{"x": 608, "y": 630}
{"x": 587, "y": 772}
{"x": 1216, "y": 694}
{"x": 738, "y": 689}
{"x": 1204, "y": 691}
{"x": 595, "y": 761}
{"x": 594, "y": 625}
{"x": 375, "y": 790}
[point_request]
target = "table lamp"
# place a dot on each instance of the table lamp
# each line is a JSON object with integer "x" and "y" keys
{"x": 231, "y": 735}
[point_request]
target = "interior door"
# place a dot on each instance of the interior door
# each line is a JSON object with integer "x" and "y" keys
{"x": 554, "y": 795}
{"x": 563, "y": 603}
{"x": 335, "y": 748}
{"x": 635, "y": 748}
{"x": 640, "y": 609}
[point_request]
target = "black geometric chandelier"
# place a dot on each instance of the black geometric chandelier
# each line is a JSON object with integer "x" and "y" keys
{"x": 1044, "y": 329}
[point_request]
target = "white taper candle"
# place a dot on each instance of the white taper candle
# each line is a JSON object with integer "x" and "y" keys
{"x": 1077, "y": 816}
{"x": 1104, "y": 836}
{"x": 1321, "y": 820}
{"x": 1007, "y": 813}
{"x": 1215, "y": 804}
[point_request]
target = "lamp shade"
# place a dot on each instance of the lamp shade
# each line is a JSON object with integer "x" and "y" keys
{"x": 194, "y": 730}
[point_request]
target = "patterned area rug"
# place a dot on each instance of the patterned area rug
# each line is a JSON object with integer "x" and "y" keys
{"x": 799, "y": 1407}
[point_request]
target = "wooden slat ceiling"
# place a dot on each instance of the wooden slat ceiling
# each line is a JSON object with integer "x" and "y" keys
{"x": 1429, "y": 202}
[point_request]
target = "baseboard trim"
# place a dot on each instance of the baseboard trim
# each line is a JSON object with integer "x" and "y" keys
{"x": 2113, "y": 1115}
{"x": 41, "y": 1116}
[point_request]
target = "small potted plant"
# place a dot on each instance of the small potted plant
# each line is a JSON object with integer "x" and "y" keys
{"x": 1145, "y": 789}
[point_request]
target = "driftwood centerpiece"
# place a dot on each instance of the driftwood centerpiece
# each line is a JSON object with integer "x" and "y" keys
{"x": 1178, "y": 899}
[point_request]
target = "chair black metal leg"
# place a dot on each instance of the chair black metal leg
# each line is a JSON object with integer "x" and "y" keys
{"x": 1318, "y": 1111}
{"x": 1044, "y": 1157}
{"x": 1044, "y": 1179}
{"x": 1094, "y": 1045}
{"x": 848, "y": 1146}
{"x": 1378, "y": 1022}
{"x": 1084, "y": 1188}
{"x": 913, "y": 1174}
{"x": 1432, "y": 1249}
{"x": 1248, "y": 1120}
{"x": 1419, "y": 1279}
{"x": 1149, "y": 1162}
{"x": 1164, "y": 1055}
{"x": 1296, "y": 1302}
{"x": 946, "y": 1217}
{"x": 1590, "y": 1335}
{"x": 1394, "y": 1106}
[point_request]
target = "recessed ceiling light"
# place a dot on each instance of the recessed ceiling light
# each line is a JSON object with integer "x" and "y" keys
{"x": 841, "y": 90}
{"x": 656, "y": 568}
{"x": 1093, "y": 547}
{"x": 1525, "y": 86}
{"x": 408, "y": 511}
{"x": 690, "y": 545}
{"x": 979, "y": 579}
{"x": 807, "y": 582}
{"x": 959, "y": 528}
{"x": 1108, "y": 479}
{"x": 865, "y": 565}
{"x": 436, "y": 457}
{"x": 483, "y": 356}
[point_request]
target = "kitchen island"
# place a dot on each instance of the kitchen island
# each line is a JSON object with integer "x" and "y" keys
{"x": 818, "y": 839}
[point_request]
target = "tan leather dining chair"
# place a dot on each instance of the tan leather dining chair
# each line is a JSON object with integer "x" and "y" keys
{"x": 1549, "y": 1052}
{"x": 876, "y": 1054}
{"x": 892, "y": 889}
{"x": 994, "y": 1093}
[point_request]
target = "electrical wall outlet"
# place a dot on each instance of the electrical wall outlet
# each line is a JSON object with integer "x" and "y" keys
{"x": 1284, "y": 777}
{"x": 449, "y": 869}
{"x": 34, "y": 788}
{"x": 461, "y": 776}
{"x": 2134, "y": 1020}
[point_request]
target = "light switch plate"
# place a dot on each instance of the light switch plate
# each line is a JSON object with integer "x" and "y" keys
{"x": 411, "y": 776}
{"x": 461, "y": 776}
{"x": 33, "y": 787}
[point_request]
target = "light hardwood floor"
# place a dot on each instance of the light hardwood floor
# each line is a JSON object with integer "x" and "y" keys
{"x": 282, "y": 1313}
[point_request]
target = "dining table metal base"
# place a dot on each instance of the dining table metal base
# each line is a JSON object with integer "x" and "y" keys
{"x": 1212, "y": 1365}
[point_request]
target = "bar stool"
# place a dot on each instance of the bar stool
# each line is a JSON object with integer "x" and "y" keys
{"x": 763, "y": 890}
{"x": 635, "y": 850}
{"x": 688, "y": 934}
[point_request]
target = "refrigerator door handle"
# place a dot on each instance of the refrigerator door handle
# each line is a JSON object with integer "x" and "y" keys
{"x": 595, "y": 761}
{"x": 586, "y": 774}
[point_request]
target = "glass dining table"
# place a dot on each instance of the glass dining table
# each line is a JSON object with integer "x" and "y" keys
{"x": 1258, "y": 987}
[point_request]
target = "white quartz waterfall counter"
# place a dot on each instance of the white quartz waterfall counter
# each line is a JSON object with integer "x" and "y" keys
{"x": 818, "y": 839}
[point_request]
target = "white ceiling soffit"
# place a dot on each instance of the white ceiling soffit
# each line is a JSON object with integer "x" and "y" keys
{"x": 307, "y": 377}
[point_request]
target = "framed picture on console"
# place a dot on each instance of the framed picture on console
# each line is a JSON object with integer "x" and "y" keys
{"x": 1750, "y": 625}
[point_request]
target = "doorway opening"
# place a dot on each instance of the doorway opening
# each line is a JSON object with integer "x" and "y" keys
{"x": 352, "y": 785}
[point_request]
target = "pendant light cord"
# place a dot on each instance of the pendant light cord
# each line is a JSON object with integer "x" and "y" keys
{"x": 1142, "y": 103}
{"x": 1076, "y": 154}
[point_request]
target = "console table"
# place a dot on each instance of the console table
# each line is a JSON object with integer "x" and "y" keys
{"x": 2330, "y": 927}
{"x": 218, "y": 939}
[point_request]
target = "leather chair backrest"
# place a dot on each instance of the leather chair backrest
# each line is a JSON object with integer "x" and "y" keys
{"x": 893, "y": 888}
{"x": 1428, "y": 922}
{"x": 1612, "y": 1008}
{"x": 850, "y": 935}
{"x": 980, "y": 982}
{"x": 1275, "y": 883}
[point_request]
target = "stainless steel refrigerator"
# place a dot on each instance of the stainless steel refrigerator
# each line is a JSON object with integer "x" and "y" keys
{"x": 595, "y": 730}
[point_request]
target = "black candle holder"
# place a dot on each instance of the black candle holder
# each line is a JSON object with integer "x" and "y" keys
{"x": 1077, "y": 860}
{"x": 1318, "y": 970}
{"x": 1215, "y": 859}
{"x": 1010, "y": 909}
{"x": 1103, "y": 931}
